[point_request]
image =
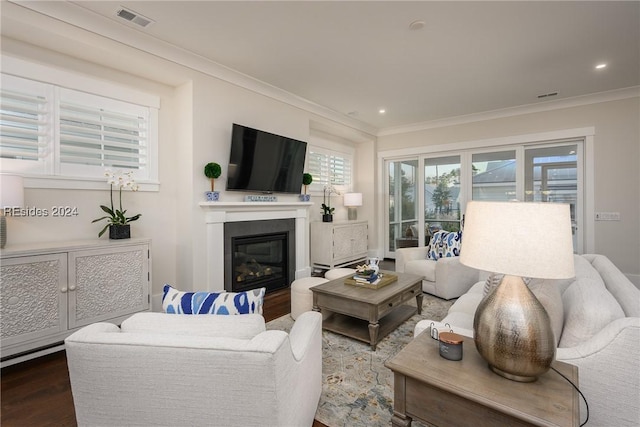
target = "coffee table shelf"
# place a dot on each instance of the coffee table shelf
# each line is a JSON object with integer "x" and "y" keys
{"x": 358, "y": 328}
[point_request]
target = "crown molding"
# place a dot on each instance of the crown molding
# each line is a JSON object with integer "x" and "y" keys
{"x": 81, "y": 18}
{"x": 595, "y": 98}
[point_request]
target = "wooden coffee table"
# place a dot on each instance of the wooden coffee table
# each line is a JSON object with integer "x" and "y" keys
{"x": 442, "y": 392}
{"x": 367, "y": 314}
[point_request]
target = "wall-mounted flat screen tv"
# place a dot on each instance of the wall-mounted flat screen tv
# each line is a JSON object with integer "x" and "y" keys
{"x": 264, "y": 162}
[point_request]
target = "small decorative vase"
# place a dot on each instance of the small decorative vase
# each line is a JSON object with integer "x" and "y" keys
{"x": 119, "y": 231}
{"x": 212, "y": 196}
{"x": 305, "y": 197}
{"x": 327, "y": 218}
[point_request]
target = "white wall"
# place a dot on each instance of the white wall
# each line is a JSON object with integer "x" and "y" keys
{"x": 196, "y": 116}
{"x": 616, "y": 160}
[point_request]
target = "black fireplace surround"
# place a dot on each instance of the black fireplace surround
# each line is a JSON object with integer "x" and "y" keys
{"x": 259, "y": 254}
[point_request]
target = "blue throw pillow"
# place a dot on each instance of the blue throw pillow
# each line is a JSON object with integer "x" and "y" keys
{"x": 444, "y": 244}
{"x": 178, "y": 302}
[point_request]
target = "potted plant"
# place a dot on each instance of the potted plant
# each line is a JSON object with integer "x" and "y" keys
{"x": 117, "y": 221}
{"x": 307, "y": 179}
{"x": 327, "y": 210}
{"x": 212, "y": 171}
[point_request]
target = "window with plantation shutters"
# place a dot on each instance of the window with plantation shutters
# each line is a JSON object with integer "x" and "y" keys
{"x": 329, "y": 168}
{"x": 101, "y": 133}
{"x": 52, "y": 131}
{"x": 25, "y": 123}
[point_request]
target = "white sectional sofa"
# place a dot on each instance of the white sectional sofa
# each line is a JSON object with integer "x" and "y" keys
{"x": 596, "y": 320}
{"x": 188, "y": 370}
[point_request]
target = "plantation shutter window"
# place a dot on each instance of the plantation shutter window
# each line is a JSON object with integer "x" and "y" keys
{"x": 329, "y": 168}
{"x": 98, "y": 133}
{"x": 25, "y": 123}
{"x": 56, "y": 135}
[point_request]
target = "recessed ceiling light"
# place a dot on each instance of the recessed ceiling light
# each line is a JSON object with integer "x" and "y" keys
{"x": 417, "y": 25}
{"x": 601, "y": 66}
{"x": 382, "y": 111}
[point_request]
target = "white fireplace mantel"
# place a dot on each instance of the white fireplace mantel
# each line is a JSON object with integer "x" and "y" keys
{"x": 217, "y": 213}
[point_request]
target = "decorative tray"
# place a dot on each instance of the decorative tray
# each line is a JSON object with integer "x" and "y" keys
{"x": 383, "y": 280}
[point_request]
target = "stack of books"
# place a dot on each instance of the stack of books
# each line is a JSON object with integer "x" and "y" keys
{"x": 371, "y": 279}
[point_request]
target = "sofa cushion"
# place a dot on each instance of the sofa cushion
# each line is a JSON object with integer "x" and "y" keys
{"x": 588, "y": 307}
{"x": 625, "y": 292}
{"x": 548, "y": 294}
{"x": 241, "y": 327}
{"x": 444, "y": 244}
{"x": 178, "y": 302}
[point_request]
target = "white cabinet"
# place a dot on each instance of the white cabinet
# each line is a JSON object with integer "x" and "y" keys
{"x": 48, "y": 291}
{"x": 336, "y": 244}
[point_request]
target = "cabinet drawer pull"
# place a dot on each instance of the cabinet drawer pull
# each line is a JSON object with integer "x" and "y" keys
{"x": 390, "y": 304}
{"x": 63, "y": 290}
{"x": 72, "y": 288}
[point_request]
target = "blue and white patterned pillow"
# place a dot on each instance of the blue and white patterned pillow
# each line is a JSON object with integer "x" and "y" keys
{"x": 178, "y": 302}
{"x": 444, "y": 244}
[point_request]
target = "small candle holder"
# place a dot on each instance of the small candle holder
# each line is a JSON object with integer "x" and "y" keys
{"x": 450, "y": 345}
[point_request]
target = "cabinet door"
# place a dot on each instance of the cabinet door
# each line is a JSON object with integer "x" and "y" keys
{"x": 108, "y": 283}
{"x": 34, "y": 299}
{"x": 359, "y": 235}
{"x": 342, "y": 242}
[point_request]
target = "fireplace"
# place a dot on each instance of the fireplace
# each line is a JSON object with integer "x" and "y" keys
{"x": 259, "y": 254}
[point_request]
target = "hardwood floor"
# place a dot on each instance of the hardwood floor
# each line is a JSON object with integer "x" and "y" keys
{"x": 38, "y": 393}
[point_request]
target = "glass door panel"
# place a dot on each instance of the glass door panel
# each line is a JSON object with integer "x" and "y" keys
{"x": 403, "y": 206}
{"x": 494, "y": 176}
{"x": 441, "y": 194}
{"x": 551, "y": 175}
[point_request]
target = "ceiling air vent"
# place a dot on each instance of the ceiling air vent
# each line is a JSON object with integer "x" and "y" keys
{"x": 546, "y": 95}
{"x": 134, "y": 17}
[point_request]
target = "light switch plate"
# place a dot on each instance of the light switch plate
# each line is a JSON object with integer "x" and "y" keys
{"x": 607, "y": 216}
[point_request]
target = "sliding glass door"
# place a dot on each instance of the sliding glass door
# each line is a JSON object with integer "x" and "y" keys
{"x": 551, "y": 175}
{"x": 441, "y": 194}
{"x": 546, "y": 172}
{"x": 403, "y": 204}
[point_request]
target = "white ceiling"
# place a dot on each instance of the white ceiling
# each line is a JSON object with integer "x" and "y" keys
{"x": 357, "y": 57}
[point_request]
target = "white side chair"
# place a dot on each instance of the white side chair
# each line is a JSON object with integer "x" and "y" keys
{"x": 165, "y": 371}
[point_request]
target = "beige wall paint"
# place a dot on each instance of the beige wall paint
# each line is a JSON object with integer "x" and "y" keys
{"x": 616, "y": 160}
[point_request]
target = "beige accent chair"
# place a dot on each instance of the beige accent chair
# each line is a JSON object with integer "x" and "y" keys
{"x": 445, "y": 278}
{"x": 191, "y": 370}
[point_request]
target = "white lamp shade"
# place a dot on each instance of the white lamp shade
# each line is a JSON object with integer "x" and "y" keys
{"x": 353, "y": 199}
{"x": 519, "y": 239}
{"x": 11, "y": 191}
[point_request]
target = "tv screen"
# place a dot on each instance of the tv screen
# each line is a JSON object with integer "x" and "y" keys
{"x": 264, "y": 162}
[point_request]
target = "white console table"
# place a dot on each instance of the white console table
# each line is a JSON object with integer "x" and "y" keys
{"x": 50, "y": 290}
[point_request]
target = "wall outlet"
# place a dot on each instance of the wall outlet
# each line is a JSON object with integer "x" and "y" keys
{"x": 607, "y": 216}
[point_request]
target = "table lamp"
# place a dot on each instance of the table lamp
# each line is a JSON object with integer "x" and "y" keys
{"x": 512, "y": 330}
{"x": 11, "y": 196}
{"x": 351, "y": 201}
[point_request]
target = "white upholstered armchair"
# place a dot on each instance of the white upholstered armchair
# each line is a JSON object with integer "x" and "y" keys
{"x": 445, "y": 278}
{"x": 169, "y": 370}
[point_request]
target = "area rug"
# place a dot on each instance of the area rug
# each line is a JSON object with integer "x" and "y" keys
{"x": 357, "y": 389}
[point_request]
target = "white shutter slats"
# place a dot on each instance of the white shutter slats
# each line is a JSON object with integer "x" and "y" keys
{"x": 23, "y": 125}
{"x": 329, "y": 168}
{"x": 90, "y": 135}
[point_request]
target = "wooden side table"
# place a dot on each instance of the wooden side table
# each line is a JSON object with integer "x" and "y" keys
{"x": 442, "y": 392}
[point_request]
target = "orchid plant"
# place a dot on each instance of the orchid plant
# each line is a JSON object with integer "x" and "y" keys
{"x": 121, "y": 180}
{"x": 326, "y": 205}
